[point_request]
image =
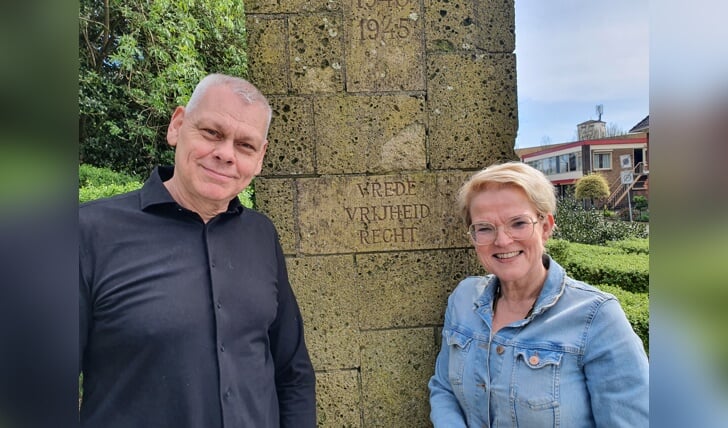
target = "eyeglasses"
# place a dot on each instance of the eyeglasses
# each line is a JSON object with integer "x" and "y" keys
{"x": 518, "y": 228}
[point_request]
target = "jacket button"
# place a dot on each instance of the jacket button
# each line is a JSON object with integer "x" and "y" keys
{"x": 499, "y": 349}
{"x": 533, "y": 360}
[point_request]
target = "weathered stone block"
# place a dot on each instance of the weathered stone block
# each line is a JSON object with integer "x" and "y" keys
{"x": 408, "y": 289}
{"x": 455, "y": 25}
{"x": 315, "y": 52}
{"x": 337, "y": 399}
{"x": 390, "y": 212}
{"x": 472, "y": 110}
{"x": 327, "y": 294}
{"x": 269, "y": 194}
{"x": 291, "y": 6}
{"x": 291, "y": 138}
{"x": 396, "y": 366}
{"x": 370, "y": 133}
{"x": 385, "y": 50}
{"x": 265, "y": 38}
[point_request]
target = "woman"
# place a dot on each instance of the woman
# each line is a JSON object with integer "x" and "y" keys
{"x": 527, "y": 346}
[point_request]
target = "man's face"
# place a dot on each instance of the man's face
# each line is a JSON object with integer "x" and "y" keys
{"x": 220, "y": 146}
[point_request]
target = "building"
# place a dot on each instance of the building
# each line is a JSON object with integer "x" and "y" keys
{"x": 618, "y": 159}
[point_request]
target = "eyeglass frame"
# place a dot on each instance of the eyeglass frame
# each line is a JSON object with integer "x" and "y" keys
{"x": 470, "y": 232}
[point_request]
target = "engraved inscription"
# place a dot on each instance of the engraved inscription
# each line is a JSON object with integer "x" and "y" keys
{"x": 388, "y": 221}
{"x": 385, "y": 27}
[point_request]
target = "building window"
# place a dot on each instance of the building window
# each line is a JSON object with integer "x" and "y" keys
{"x": 569, "y": 163}
{"x": 602, "y": 160}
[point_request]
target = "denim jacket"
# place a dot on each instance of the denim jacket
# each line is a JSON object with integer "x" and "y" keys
{"x": 574, "y": 362}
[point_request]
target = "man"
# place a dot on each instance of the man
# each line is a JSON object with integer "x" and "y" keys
{"x": 187, "y": 316}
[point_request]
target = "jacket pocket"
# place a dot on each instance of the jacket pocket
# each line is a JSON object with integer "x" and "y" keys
{"x": 459, "y": 345}
{"x": 536, "y": 379}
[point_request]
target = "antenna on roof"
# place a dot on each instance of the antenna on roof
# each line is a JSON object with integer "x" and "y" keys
{"x": 600, "y": 110}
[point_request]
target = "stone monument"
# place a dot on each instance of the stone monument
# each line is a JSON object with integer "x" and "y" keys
{"x": 382, "y": 108}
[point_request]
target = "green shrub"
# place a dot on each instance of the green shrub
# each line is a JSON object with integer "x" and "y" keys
{"x": 96, "y": 176}
{"x": 92, "y": 192}
{"x": 639, "y": 202}
{"x": 632, "y": 245}
{"x": 558, "y": 250}
{"x": 576, "y": 224}
{"x": 96, "y": 183}
{"x": 637, "y": 308}
{"x": 608, "y": 265}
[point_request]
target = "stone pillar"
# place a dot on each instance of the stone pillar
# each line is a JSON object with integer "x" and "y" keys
{"x": 382, "y": 108}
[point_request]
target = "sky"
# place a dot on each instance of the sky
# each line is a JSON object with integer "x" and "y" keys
{"x": 572, "y": 55}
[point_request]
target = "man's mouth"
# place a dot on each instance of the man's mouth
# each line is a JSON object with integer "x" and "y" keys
{"x": 507, "y": 255}
{"x": 215, "y": 173}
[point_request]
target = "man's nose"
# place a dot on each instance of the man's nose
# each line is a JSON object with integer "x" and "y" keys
{"x": 225, "y": 151}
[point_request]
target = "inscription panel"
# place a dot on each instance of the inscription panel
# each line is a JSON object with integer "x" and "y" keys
{"x": 385, "y": 48}
{"x": 379, "y": 213}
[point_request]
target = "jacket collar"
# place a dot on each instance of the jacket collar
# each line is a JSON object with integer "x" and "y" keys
{"x": 552, "y": 289}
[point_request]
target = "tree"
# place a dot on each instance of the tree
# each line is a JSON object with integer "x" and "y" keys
{"x": 592, "y": 186}
{"x": 614, "y": 130}
{"x": 138, "y": 61}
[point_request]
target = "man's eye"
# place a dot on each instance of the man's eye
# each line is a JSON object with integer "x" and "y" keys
{"x": 244, "y": 145}
{"x": 211, "y": 132}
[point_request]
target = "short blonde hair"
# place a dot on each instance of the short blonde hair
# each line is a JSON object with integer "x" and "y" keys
{"x": 539, "y": 190}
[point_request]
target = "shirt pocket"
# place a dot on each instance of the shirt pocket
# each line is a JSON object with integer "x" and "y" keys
{"x": 459, "y": 345}
{"x": 536, "y": 381}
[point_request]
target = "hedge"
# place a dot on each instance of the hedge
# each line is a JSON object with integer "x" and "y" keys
{"x": 97, "y": 183}
{"x": 603, "y": 264}
{"x": 619, "y": 268}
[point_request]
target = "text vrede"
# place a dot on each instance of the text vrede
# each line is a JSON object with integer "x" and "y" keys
{"x": 373, "y": 213}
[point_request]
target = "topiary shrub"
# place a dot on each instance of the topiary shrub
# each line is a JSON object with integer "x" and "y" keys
{"x": 592, "y": 186}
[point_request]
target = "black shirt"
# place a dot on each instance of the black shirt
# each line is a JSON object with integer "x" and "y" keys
{"x": 187, "y": 324}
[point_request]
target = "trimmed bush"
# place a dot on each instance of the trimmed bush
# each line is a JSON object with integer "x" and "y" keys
{"x": 558, "y": 250}
{"x": 96, "y": 183}
{"x": 89, "y": 175}
{"x": 632, "y": 245}
{"x": 608, "y": 265}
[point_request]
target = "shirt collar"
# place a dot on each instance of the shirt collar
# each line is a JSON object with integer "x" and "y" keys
{"x": 154, "y": 193}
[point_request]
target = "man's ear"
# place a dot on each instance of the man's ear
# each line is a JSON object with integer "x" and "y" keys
{"x": 175, "y": 123}
{"x": 263, "y": 149}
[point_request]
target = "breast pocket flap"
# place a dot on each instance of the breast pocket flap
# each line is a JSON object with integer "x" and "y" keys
{"x": 537, "y": 358}
{"x": 455, "y": 338}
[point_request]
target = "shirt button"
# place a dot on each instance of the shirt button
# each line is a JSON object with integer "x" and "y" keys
{"x": 219, "y": 305}
{"x": 222, "y": 348}
{"x": 499, "y": 349}
{"x": 533, "y": 360}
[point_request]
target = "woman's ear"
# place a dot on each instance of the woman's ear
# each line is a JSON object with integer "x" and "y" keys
{"x": 548, "y": 225}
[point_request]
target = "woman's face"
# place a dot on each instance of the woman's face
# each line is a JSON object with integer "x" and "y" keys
{"x": 510, "y": 260}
